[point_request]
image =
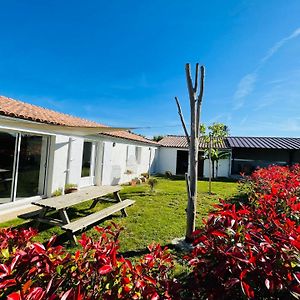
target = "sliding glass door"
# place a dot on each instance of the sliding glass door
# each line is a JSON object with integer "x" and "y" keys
{"x": 23, "y": 164}
{"x": 7, "y": 154}
{"x": 30, "y": 170}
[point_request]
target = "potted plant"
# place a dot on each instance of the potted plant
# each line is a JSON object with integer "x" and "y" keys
{"x": 70, "y": 188}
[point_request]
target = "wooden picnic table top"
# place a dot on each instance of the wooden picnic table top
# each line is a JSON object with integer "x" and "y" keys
{"x": 85, "y": 194}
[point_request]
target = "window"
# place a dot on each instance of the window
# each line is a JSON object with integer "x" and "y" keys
{"x": 86, "y": 159}
{"x": 138, "y": 154}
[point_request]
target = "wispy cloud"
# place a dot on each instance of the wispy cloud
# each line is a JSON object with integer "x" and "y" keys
{"x": 247, "y": 83}
{"x": 245, "y": 87}
{"x": 279, "y": 44}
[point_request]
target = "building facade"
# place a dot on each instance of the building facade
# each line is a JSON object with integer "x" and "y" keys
{"x": 42, "y": 151}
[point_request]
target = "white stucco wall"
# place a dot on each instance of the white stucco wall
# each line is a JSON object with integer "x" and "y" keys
{"x": 59, "y": 150}
{"x": 120, "y": 164}
{"x": 167, "y": 160}
{"x": 114, "y": 158}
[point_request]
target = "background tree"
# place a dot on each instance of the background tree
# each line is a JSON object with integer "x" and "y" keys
{"x": 157, "y": 138}
{"x": 195, "y": 91}
{"x": 213, "y": 138}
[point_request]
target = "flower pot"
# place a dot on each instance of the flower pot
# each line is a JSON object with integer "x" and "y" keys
{"x": 71, "y": 190}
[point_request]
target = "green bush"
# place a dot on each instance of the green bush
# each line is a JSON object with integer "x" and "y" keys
{"x": 152, "y": 183}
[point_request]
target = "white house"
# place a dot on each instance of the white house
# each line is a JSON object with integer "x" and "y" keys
{"x": 41, "y": 151}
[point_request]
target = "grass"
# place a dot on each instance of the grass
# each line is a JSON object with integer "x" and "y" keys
{"x": 158, "y": 216}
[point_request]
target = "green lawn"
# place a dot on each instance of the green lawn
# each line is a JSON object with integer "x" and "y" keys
{"x": 158, "y": 216}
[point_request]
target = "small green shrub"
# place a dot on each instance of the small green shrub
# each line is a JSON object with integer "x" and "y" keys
{"x": 152, "y": 183}
{"x": 57, "y": 192}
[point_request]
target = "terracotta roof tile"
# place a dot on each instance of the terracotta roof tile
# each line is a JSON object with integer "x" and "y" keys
{"x": 18, "y": 109}
{"x": 130, "y": 136}
{"x": 176, "y": 141}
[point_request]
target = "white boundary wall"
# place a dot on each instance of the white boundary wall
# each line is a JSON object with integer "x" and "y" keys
{"x": 167, "y": 161}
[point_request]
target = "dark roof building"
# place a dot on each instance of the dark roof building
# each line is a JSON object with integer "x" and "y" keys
{"x": 176, "y": 141}
{"x": 264, "y": 142}
{"x": 247, "y": 153}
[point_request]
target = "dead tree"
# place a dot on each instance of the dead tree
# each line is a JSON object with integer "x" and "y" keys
{"x": 196, "y": 95}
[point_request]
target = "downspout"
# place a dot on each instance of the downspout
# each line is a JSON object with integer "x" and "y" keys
{"x": 69, "y": 159}
{"x": 149, "y": 168}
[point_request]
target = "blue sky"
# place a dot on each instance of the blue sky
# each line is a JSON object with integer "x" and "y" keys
{"x": 122, "y": 62}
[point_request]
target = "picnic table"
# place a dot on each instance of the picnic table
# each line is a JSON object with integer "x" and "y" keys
{"x": 63, "y": 202}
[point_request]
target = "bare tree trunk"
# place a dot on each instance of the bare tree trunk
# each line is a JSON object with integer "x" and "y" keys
{"x": 217, "y": 168}
{"x": 213, "y": 169}
{"x": 193, "y": 142}
{"x": 209, "y": 165}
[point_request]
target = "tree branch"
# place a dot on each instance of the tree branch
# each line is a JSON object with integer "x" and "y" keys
{"x": 189, "y": 82}
{"x": 182, "y": 120}
{"x": 196, "y": 78}
{"x": 199, "y": 100}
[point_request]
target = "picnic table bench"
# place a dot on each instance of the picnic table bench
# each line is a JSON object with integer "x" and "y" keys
{"x": 63, "y": 202}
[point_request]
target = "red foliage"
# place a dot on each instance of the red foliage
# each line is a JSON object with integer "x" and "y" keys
{"x": 252, "y": 250}
{"x": 96, "y": 271}
{"x": 243, "y": 251}
{"x": 13, "y": 238}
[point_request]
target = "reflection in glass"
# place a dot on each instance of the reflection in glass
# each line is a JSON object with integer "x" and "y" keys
{"x": 29, "y": 166}
{"x": 86, "y": 159}
{"x": 7, "y": 150}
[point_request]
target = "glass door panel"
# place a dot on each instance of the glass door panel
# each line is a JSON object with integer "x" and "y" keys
{"x": 7, "y": 151}
{"x": 30, "y": 168}
{"x": 86, "y": 159}
{"x": 88, "y": 164}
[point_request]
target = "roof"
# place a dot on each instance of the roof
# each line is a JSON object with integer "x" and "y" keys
{"x": 17, "y": 109}
{"x": 130, "y": 136}
{"x": 264, "y": 142}
{"x": 176, "y": 141}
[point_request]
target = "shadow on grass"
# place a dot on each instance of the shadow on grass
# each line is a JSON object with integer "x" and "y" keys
{"x": 182, "y": 177}
{"x": 63, "y": 238}
{"x": 139, "y": 252}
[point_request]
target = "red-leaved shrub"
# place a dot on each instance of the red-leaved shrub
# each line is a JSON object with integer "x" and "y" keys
{"x": 96, "y": 271}
{"x": 253, "y": 250}
{"x": 244, "y": 251}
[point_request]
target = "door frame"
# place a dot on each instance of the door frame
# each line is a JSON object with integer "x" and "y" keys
{"x": 91, "y": 179}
